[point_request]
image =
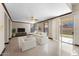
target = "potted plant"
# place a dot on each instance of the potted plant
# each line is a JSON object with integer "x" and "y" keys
{"x": 13, "y": 32}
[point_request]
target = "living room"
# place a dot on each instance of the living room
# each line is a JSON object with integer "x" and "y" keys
{"x": 27, "y": 30}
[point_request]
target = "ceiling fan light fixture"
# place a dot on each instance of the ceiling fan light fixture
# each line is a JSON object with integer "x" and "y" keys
{"x": 34, "y": 19}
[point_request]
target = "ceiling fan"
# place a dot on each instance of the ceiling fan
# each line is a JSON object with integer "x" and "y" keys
{"x": 34, "y": 19}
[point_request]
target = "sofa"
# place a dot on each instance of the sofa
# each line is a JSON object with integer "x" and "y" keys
{"x": 41, "y": 38}
{"x": 26, "y": 43}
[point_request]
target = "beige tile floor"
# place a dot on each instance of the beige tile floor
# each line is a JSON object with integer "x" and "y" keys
{"x": 52, "y": 48}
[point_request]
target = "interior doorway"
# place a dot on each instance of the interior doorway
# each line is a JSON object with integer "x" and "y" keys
{"x": 46, "y": 27}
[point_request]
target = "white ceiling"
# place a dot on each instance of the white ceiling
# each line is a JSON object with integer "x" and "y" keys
{"x": 42, "y": 11}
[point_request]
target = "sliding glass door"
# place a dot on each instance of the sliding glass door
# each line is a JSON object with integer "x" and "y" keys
{"x": 67, "y": 26}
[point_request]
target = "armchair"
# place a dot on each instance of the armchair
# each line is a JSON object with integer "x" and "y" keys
{"x": 41, "y": 38}
{"x": 26, "y": 43}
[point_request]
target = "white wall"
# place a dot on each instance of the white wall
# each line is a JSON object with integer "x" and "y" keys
{"x": 54, "y": 28}
{"x": 1, "y": 29}
{"x": 10, "y": 29}
{"x": 5, "y": 31}
{"x": 6, "y": 28}
{"x": 50, "y": 28}
{"x": 69, "y": 5}
{"x": 22, "y": 25}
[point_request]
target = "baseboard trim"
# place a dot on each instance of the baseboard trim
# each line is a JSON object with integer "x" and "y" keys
{"x": 2, "y": 52}
{"x": 10, "y": 38}
{"x": 50, "y": 38}
{"x": 76, "y": 44}
{"x": 7, "y": 43}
